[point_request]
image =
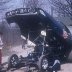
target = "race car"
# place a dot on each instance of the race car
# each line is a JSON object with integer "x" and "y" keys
{"x": 53, "y": 40}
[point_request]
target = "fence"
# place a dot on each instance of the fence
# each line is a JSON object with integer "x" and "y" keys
{"x": 11, "y": 35}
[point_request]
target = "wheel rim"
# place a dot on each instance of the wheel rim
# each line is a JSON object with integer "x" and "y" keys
{"x": 14, "y": 61}
{"x": 45, "y": 64}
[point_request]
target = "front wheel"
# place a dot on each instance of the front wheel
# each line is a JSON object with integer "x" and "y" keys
{"x": 43, "y": 63}
{"x": 13, "y": 61}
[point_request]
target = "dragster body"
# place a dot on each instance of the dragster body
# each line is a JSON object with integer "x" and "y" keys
{"x": 57, "y": 38}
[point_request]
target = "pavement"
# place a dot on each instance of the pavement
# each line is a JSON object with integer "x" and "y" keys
{"x": 67, "y": 67}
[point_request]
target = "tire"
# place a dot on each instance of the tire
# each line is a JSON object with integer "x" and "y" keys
{"x": 13, "y": 61}
{"x": 42, "y": 63}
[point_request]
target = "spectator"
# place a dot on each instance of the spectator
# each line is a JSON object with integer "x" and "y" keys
{"x": 1, "y": 46}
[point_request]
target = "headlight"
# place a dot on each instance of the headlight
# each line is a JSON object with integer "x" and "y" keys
{"x": 43, "y": 33}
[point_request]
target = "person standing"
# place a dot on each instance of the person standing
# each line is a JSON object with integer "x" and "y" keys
{"x": 1, "y": 46}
